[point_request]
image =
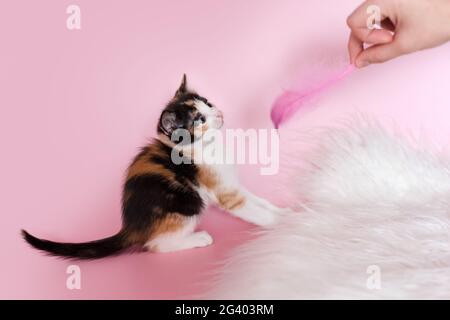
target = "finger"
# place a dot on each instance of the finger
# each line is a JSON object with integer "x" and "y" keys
{"x": 355, "y": 47}
{"x": 359, "y": 17}
{"x": 378, "y": 53}
{"x": 373, "y": 36}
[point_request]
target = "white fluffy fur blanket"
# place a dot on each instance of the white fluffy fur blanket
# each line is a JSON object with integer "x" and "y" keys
{"x": 375, "y": 223}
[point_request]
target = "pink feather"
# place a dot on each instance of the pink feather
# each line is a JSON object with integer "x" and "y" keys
{"x": 288, "y": 103}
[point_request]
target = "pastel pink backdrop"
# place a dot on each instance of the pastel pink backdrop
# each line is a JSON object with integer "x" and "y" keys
{"x": 76, "y": 105}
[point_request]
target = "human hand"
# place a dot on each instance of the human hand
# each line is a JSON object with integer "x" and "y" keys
{"x": 406, "y": 26}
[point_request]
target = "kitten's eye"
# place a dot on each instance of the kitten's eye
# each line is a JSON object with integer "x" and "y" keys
{"x": 200, "y": 119}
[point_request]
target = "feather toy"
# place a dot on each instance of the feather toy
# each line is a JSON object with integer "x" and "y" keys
{"x": 288, "y": 103}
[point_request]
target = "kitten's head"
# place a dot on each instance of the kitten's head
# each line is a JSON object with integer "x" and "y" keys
{"x": 189, "y": 111}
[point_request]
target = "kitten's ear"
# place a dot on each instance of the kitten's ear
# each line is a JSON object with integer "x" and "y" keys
{"x": 169, "y": 122}
{"x": 183, "y": 87}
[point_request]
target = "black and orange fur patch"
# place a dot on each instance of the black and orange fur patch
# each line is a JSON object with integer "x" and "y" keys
{"x": 160, "y": 188}
{"x": 158, "y": 195}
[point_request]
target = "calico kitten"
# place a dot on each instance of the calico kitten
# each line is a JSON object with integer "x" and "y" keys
{"x": 162, "y": 201}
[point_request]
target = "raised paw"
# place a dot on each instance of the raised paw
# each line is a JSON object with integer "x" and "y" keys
{"x": 264, "y": 218}
{"x": 201, "y": 239}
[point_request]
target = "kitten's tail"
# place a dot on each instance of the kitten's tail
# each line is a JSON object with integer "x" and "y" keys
{"x": 87, "y": 250}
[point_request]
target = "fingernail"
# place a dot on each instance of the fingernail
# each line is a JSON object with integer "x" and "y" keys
{"x": 362, "y": 64}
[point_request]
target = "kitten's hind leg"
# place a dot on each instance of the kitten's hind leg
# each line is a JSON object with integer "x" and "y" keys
{"x": 179, "y": 237}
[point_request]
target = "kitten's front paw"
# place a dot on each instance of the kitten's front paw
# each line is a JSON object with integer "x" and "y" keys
{"x": 201, "y": 239}
{"x": 265, "y": 218}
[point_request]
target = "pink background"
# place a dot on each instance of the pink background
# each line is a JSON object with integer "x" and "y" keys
{"x": 76, "y": 105}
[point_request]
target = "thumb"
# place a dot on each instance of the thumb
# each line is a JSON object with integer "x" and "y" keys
{"x": 378, "y": 53}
